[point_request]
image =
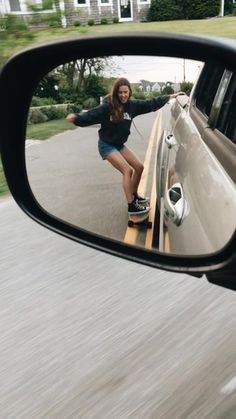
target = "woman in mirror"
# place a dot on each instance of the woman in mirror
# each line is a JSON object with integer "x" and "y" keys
{"x": 115, "y": 116}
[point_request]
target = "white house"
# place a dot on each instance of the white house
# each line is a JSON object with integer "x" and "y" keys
{"x": 126, "y": 10}
{"x": 156, "y": 87}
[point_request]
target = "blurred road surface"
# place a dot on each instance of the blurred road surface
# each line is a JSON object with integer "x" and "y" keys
{"x": 86, "y": 335}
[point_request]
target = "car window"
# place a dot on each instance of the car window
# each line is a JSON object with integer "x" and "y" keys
{"x": 226, "y": 122}
{"x": 207, "y": 87}
{"x": 213, "y": 111}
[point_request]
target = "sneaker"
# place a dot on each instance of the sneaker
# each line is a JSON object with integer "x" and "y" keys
{"x": 135, "y": 208}
{"x": 140, "y": 200}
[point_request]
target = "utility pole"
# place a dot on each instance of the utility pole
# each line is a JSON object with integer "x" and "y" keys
{"x": 222, "y": 8}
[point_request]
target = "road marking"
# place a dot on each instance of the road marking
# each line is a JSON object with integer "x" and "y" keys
{"x": 149, "y": 235}
{"x": 166, "y": 236}
{"x": 161, "y": 229}
{"x": 132, "y": 233}
{"x": 230, "y": 387}
{"x": 166, "y": 241}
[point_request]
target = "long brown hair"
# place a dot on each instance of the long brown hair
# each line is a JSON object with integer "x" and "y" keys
{"x": 116, "y": 106}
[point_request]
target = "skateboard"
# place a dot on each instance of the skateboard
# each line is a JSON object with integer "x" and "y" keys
{"x": 141, "y": 220}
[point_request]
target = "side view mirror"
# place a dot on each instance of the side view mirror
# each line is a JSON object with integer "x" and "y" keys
{"x": 189, "y": 166}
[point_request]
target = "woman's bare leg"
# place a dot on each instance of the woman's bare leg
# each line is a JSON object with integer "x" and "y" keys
{"x": 136, "y": 164}
{"x": 120, "y": 163}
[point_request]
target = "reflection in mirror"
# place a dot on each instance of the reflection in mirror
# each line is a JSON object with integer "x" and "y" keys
{"x": 88, "y": 183}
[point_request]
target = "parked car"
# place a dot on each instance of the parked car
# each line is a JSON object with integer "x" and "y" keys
{"x": 208, "y": 120}
{"x": 196, "y": 167}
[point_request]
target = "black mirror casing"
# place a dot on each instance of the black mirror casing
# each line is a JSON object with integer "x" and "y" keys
{"x": 18, "y": 80}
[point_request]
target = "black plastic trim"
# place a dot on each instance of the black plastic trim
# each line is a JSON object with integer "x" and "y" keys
{"x": 17, "y": 82}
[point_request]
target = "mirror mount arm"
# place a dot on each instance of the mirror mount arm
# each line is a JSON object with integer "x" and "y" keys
{"x": 225, "y": 279}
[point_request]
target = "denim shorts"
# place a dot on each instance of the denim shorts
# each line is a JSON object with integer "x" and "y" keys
{"x": 105, "y": 149}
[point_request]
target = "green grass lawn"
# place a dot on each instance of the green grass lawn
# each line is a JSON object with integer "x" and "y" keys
{"x": 45, "y": 130}
{"x": 225, "y": 27}
{"x": 3, "y": 183}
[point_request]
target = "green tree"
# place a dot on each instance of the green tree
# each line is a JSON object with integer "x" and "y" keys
{"x": 167, "y": 89}
{"x": 138, "y": 93}
{"x": 204, "y": 8}
{"x": 186, "y": 87}
{"x": 77, "y": 77}
{"x": 228, "y": 7}
{"x": 187, "y": 8}
{"x": 183, "y": 9}
{"x": 161, "y": 11}
{"x": 95, "y": 88}
{"x": 14, "y": 34}
{"x": 48, "y": 87}
{"x": 52, "y": 18}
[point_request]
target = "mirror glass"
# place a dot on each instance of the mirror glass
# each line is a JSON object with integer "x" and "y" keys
{"x": 192, "y": 198}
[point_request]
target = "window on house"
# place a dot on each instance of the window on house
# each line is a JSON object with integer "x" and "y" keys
{"x": 104, "y": 3}
{"x": 15, "y": 5}
{"x": 81, "y": 3}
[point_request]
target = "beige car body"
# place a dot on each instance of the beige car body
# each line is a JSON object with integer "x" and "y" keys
{"x": 196, "y": 192}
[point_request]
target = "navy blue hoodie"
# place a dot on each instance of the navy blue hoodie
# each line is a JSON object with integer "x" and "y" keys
{"x": 116, "y": 133}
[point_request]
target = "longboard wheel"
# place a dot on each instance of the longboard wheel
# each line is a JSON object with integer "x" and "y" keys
{"x": 144, "y": 223}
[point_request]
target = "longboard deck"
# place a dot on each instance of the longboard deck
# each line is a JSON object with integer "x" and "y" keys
{"x": 140, "y": 221}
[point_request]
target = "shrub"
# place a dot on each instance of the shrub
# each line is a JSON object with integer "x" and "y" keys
{"x": 53, "y": 20}
{"x": 54, "y": 112}
{"x": 77, "y": 23}
{"x": 138, "y": 94}
{"x": 186, "y": 87}
{"x": 47, "y": 4}
{"x": 36, "y": 116}
{"x": 115, "y": 19}
{"x": 15, "y": 26}
{"x": 74, "y": 107}
{"x": 182, "y": 9}
{"x": 202, "y": 9}
{"x": 91, "y": 22}
{"x": 89, "y": 103}
{"x": 104, "y": 20}
{"x": 161, "y": 11}
{"x": 42, "y": 101}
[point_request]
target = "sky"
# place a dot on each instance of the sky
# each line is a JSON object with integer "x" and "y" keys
{"x": 161, "y": 69}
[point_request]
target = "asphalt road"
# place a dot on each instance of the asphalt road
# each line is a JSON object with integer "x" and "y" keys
{"x": 86, "y": 335}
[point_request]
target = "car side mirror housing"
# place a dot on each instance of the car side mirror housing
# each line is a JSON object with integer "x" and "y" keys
{"x": 18, "y": 82}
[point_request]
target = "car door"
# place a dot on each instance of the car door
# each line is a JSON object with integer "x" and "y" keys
{"x": 197, "y": 194}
